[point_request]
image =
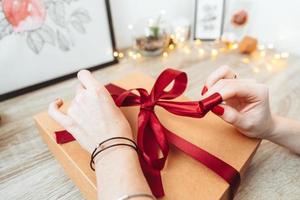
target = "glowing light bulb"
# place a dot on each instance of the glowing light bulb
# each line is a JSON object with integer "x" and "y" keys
{"x": 201, "y": 52}
{"x": 171, "y": 46}
{"x": 232, "y": 45}
{"x": 186, "y": 50}
{"x": 214, "y": 52}
{"x": 262, "y": 53}
{"x": 198, "y": 42}
{"x": 165, "y": 54}
{"x": 235, "y": 46}
{"x": 246, "y": 60}
{"x": 121, "y": 55}
{"x": 277, "y": 56}
{"x": 130, "y": 53}
{"x": 116, "y": 54}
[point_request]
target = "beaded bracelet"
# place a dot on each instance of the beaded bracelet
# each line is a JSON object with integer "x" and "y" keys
{"x": 96, "y": 152}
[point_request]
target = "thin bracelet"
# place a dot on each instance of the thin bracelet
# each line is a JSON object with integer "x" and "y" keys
{"x": 107, "y": 140}
{"x": 95, "y": 153}
{"x": 127, "y": 197}
{"x": 113, "y": 138}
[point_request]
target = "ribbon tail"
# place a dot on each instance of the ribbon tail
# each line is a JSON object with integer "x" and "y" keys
{"x": 153, "y": 178}
{"x": 224, "y": 170}
{"x": 148, "y": 154}
{"x": 63, "y": 137}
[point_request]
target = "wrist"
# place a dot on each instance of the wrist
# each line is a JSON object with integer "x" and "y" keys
{"x": 272, "y": 131}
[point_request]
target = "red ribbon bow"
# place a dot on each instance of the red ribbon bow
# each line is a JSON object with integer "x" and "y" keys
{"x": 153, "y": 138}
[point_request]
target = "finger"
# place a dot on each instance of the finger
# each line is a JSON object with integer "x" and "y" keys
{"x": 79, "y": 89}
{"x": 88, "y": 81}
{"x": 234, "y": 88}
{"x": 223, "y": 72}
{"x": 53, "y": 110}
{"x": 80, "y": 95}
{"x": 230, "y": 115}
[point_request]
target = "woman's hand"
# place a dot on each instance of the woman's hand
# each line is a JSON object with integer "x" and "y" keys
{"x": 246, "y": 103}
{"x": 92, "y": 116}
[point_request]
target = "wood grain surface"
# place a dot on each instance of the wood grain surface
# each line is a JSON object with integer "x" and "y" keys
{"x": 29, "y": 171}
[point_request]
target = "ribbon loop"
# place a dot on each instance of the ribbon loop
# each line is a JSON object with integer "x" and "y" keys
{"x": 168, "y": 76}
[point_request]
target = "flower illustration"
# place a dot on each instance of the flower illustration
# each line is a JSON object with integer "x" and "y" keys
{"x": 24, "y": 15}
{"x": 43, "y": 22}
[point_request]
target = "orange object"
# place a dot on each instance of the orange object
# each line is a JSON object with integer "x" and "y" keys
{"x": 183, "y": 177}
{"x": 247, "y": 45}
{"x": 240, "y": 18}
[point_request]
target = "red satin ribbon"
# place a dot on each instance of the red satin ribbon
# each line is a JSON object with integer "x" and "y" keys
{"x": 153, "y": 138}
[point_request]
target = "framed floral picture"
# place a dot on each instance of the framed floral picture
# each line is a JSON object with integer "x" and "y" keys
{"x": 45, "y": 41}
{"x": 209, "y": 19}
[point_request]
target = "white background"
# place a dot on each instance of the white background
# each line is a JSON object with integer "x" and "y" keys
{"x": 272, "y": 21}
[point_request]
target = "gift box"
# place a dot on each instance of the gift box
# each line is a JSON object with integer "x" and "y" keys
{"x": 220, "y": 154}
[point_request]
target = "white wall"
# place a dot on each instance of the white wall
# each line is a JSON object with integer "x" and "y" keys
{"x": 278, "y": 21}
{"x": 272, "y": 21}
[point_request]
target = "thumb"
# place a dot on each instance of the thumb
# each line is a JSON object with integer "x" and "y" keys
{"x": 230, "y": 115}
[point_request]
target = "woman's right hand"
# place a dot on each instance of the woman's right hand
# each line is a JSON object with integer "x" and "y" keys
{"x": 246, "y": 103}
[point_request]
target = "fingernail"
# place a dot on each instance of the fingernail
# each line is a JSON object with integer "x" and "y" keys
{"x": 204, "y": 90}
{"x": 218, "y": 110}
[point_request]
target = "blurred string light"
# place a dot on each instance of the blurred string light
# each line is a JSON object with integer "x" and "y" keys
{"x": 165, "y": 54}
{"x": 265, "y": 53}
{"x": 214, "y": 53}
{"x": 232, "y": 45}
{"x": 186, "y": 49}
{"x": 277, "y": 56}
{"x": 246, "y": 60}
{"x": 262, "y": 53}
{"x": 121, "y": 55}
{"x": 201, "y": 52}
{"x": 171, "y": 47}
{"x": 198, "y": 42}
{"x": 116, "y": 54}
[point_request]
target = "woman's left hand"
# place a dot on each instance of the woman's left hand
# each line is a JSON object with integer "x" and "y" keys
{"x": 92, "y": 116}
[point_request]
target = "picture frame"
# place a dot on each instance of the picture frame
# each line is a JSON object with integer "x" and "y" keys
{"x": 39, "y": 65}
{"x": 209, "y": 19}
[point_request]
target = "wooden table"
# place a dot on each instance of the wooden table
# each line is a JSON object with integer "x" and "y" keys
{"x": 29, "y": 171}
